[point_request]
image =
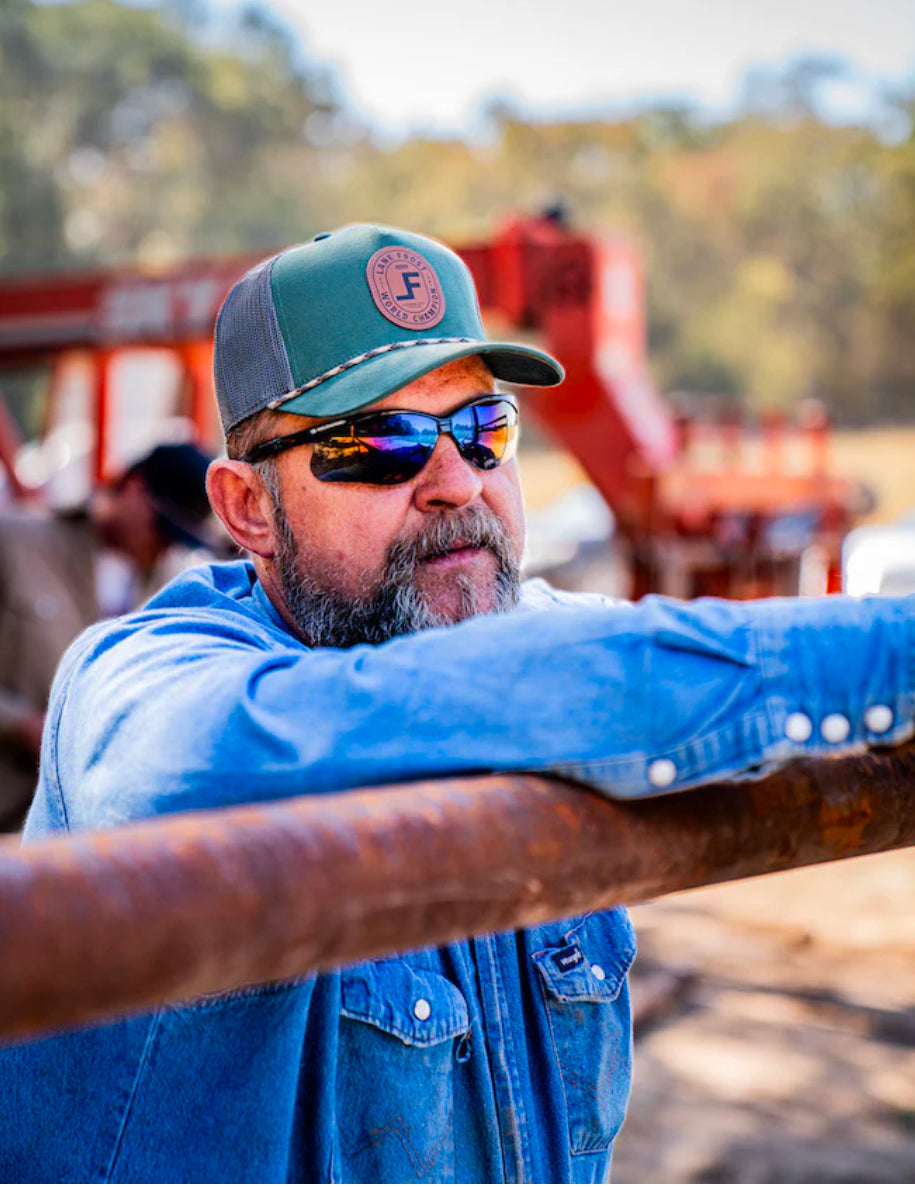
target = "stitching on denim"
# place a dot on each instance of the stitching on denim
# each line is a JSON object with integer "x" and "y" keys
{"x": 562, "y": 1075}
{"x": 623, "y": 959}
{"x": 603, "y": 993}
{"x": 496, "y": 1055}
{"x": 62, "y": 699}
{"x": 455, "y": 1022}
{"x": 246, "y": 993}
{"x": 408, "y": 1038}
{"x": 590, "y": 1089}
{"x": 549, "y": 998}
{"x": 765, "y": 677}
{"x": 398, "y": 1127}
{"x": 565, "y": 1078}
{"x": 592, "y": 1092}
{"x": 580, "y": 921}
{"x": 145, "y": 1056}
{"x": 637, "y": 760}
{"x": 518, "y": 1110}
{"x": 55, "y": 752}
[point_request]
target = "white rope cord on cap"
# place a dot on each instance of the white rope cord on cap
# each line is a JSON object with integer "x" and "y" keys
{"x": 361, "y": 358}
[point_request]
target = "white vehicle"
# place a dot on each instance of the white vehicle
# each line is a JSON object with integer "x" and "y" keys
{"x": 880, "y": 559}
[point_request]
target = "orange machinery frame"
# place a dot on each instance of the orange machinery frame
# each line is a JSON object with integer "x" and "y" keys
{"x": 691, "y": 527}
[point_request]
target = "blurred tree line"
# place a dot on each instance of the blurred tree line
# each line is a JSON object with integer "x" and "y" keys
{"x": 780, "y": 249}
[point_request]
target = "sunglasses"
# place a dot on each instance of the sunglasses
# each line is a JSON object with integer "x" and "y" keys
{"x": 392, "y": 446}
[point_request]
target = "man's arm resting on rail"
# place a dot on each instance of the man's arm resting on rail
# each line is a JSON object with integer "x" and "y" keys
{"x": 631, "y": 699}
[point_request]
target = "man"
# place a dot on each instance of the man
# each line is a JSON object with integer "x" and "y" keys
{"x": 380, "y": 633}
{"x": 61, "y": 572}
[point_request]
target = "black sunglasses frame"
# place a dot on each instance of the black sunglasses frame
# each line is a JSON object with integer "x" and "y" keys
{"x": 318, "y": 433}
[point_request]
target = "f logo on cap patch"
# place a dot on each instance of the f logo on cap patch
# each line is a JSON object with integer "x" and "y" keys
{"x": 405, "y": 288}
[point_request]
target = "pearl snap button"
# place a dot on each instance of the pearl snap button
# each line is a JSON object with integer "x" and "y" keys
{"x": 598, "y": 972}
{"x": 835, "y": 727}
{"x": 422, "y": 1009}
{"x": 798, "y": 727}
{"x": 662, "y": 773}
{"x": 878, "y": 718}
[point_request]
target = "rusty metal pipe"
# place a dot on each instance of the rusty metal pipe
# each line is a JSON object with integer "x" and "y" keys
{"x": 102, "y": 924}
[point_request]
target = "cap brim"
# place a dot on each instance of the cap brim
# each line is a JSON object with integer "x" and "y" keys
{"x": 372, "y": 380}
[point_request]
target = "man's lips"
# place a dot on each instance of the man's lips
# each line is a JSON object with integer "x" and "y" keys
{"x": 460, "y": 554}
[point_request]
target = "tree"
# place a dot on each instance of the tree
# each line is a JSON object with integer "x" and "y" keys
{"x": 123, "y": 133}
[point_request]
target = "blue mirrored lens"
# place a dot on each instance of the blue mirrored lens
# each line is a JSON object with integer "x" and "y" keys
{"x": 386, "y": 448}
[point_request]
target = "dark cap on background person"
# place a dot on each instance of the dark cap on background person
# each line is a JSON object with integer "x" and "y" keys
{"x": 334, "y": 325}
{"x": 175, "y": 480}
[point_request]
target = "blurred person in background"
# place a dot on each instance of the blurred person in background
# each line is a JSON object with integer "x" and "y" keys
{"x": 62, "y": 571}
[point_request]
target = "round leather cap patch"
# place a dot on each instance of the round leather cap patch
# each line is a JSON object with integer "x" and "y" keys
{"x": 405, "y": 288}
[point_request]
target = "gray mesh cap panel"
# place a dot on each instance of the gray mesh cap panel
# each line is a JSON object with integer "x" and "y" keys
{"x": 250, "y": 363}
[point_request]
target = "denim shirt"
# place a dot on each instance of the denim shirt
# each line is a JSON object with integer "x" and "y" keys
{"x": 502, "y": 1058}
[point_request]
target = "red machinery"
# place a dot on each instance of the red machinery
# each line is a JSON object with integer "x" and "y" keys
{"x": 704, "y": 509}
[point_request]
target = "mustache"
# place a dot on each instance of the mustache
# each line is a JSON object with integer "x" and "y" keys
{"x": 474, "y": 527}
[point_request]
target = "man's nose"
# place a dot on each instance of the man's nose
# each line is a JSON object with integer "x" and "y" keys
{"x": 446, "y": 480}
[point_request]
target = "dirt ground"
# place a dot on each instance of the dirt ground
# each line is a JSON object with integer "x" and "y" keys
{"x": 785, "y": 1046}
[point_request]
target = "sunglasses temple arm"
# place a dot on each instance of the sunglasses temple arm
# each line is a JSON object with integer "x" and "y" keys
{"x": 268, "y": 449}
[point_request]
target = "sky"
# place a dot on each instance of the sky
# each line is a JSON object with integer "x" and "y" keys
{"x": 406, "y": 65}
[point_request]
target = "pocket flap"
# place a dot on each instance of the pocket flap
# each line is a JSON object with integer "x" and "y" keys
{"x": 419, "y": 1006}
{"x": 592, "y": 959}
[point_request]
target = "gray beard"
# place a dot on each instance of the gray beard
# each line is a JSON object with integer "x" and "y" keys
{"x": 396, "y": 606}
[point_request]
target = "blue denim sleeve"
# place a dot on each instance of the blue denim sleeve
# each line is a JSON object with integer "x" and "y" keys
{"x": 192, "y": 710}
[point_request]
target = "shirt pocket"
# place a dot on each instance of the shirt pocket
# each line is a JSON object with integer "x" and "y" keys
{"x": 402, "y": 1032}
{"x": 586, "y": 994}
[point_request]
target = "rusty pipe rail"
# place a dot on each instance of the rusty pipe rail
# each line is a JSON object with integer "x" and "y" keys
{"x": 97, "y": 925}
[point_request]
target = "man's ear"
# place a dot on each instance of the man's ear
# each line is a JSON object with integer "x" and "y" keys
{"x": 239, "y": 498}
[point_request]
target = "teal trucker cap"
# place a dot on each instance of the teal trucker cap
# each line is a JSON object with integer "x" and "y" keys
{"x": 331, "y": 326}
